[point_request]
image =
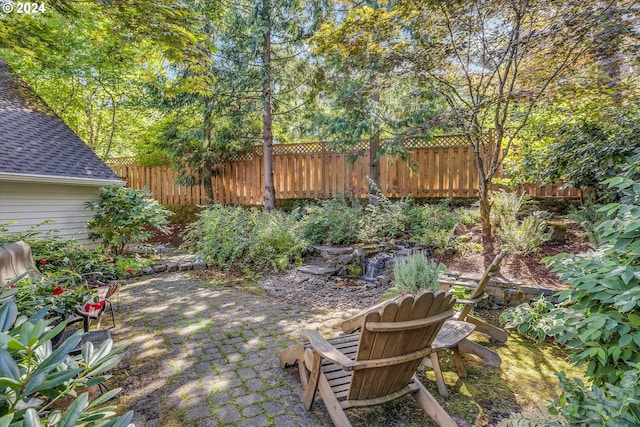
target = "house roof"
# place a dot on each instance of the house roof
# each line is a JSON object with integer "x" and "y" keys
{"x": 36, "y": 143}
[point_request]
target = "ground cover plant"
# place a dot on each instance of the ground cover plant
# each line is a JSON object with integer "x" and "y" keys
{"x": 56, "y": 258}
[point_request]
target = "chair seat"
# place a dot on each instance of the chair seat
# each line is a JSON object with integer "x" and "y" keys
{"x": 95, "y": 337}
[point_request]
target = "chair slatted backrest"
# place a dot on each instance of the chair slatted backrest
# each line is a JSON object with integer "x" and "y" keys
{"x": 16, "y": 259}
{"x": 400, "y": 328}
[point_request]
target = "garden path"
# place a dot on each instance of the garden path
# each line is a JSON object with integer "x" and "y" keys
{"x": 203, "y": 352}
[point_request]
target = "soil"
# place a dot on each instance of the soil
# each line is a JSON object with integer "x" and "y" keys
{"x": 526, "y": 269}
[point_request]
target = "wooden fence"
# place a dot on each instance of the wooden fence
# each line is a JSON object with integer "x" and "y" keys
{"x": 441, "y": 167}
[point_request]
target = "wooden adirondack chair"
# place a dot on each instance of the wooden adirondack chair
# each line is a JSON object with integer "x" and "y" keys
{"x": 493, "y": 270}
{"x": 379, "y": 364}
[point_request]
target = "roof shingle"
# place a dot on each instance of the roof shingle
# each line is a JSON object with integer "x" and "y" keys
{"x": 35, "y": 141}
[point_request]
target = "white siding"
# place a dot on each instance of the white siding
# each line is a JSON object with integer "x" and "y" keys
{"x": 28, "y": 204}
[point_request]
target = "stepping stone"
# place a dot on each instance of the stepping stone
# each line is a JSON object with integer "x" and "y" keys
{"x": 318, "y": 271}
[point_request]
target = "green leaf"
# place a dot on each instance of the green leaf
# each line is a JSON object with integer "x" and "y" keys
{"x": 74, "y": 410}
{"x": 8, "y": 315}
{"x": 57, "y": 378}
{"x": 8, "y": 366}
{"x": 31, "y": 418}
{"x": 5, "y": 420}
{"x": 59, "y": 354}
{"x": 625, "y": 340}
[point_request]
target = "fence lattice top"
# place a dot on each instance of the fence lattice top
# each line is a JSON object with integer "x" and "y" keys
{"x": 441, "y": 141}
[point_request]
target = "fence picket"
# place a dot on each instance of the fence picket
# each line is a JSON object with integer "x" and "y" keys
{"x": 447, "y": 169}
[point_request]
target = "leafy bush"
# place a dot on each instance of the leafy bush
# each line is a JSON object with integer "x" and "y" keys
{"x": 507, "y": 207}
{"x": 532, "y": 320}
{"x": 590, "y": 217}
{"x": 275, "y": 241}
{"x": 431, "y": 225}
{"x": 525, "y": 237}
{"x": 601, "y": 326}
{"x": 57, "y": 258}
{"x": 124, "y": 216}
{"x": 35, "y": 378}
{"x": 221, "y": 235}
{"x": 384, "y": 220}
{"x": 332, "y": 221}
{"x": 416, "y": 273}
{"x": 609, "y": 405}
{"x": 61, "y": 299}
{"x": 232, "y": 236}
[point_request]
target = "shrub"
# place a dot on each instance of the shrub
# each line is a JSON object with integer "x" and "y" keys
{"x": 35, "y": 378}
{"x": 221, "y": 235}
{"x": 525, "y": 237}
{"x": 385, "y": 220}
{"x": 431, "y": 225}
{"x": 590, "y": 217}
{"x": 333, "y": 221}
{"x": 124, "y": 216}
{"x": 601, "y": 326}
{"x": 61, "y": 299}
{"x": 532, "y": 320}
{"x": 507, "y": 207}
{"x": 234, "y": 237}
{"x": 276, "y": 241}
{"x": 416, "y": 273}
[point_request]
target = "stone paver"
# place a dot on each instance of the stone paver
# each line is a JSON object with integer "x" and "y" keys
{"x": 204, "y": 353}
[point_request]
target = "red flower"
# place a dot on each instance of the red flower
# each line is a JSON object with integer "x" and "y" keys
{"x": 12, "y": 286}
{"x": 43, "y": 261}
{"x": 58, "y": 290}
{"x": 129, "y": 270}
{"x": 109, "y": 259}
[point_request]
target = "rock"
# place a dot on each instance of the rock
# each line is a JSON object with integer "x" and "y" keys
{"x": 383, "y": 279}
{"x": 332, "y": 251}
{"x": 345, "y": 259}
{"x": 318, "y": 271}
{"x": 559, "y": 231}
{"x": 172, "y": 266}
{"x": 147, "y": 270}
{"x": 459, "y": 230}
{"x": 159, "y": 268}
{"x": 185, "y": 266}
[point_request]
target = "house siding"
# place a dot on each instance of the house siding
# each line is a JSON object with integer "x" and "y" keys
{"x": 30, "y": 204}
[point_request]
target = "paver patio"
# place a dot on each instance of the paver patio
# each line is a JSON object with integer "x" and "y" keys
{"x": 205, "y": 354}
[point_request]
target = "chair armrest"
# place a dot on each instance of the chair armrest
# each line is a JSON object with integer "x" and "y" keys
{"x": 327, "y": 351}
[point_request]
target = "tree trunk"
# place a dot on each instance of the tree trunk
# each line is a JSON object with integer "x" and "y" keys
{"x": 206, "y": 142}
{"x": 267, "y": 134}
{"x": 374, "y": 162}
{"x": 485, "y": 217}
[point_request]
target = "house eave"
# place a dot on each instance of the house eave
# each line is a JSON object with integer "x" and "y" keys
{"x": 50, "y": 179}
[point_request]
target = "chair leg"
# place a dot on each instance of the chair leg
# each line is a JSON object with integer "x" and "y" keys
{"x": 431, "y": 406}
{"x": 314, "y": 361}
{"x": 488, "y": 356}
{"x": 494, "y": 332}
{"x": 337, "y": 414}
{"x": 462, "y": 371}
{"x": 435, "y": 365}
{"x": 291, "y": 355}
